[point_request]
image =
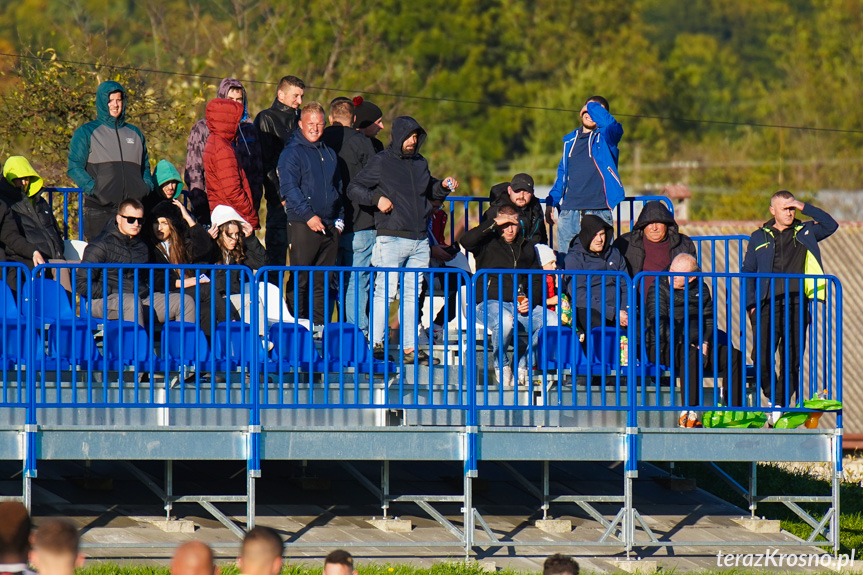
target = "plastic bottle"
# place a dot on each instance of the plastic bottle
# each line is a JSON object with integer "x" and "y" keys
{"x": 624, "y": 350}
{"x": 812, "y": 421}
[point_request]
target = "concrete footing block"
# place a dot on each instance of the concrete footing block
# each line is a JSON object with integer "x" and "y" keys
{"x": 488, "y": 566}
{"x": 757, "y": 525}
{"x": 176, "y": 526}
{"x": 392, "y": 525}
{"x": 554, "y": 525}
{"x": 644, "y": 567}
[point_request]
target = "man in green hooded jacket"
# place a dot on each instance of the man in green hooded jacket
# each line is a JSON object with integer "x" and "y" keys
{"x": 108, "y": 160}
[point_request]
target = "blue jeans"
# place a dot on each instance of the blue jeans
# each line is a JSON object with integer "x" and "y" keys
{"x": 392, "y": 252}
{"x": 569, "y": 224}
{"x": 355, "y": 251}
{"x": 501, "y": 316}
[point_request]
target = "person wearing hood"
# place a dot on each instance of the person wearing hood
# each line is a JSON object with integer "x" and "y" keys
{"x": 653, "y": 242}
{"x": 685, "y": 301}
{"x": 587, "y": 178}
{"x": 354, "y": 150}
{"x": 169, "y": 185}
{"x": 784, "y": 245}
{"x": 276, "y": 125}
{"x": 592, "y": 251}
{"x": 108, "y": 160}
{"x": 398, "y": 183}
{"x": 247, "y": 145}
{"x": 500, "y": 244}
{"x": 519, "y": 193}
{"x": 311, "y": 189}
{"x": 226, "y": 181}
{"x": 30, "y": 233}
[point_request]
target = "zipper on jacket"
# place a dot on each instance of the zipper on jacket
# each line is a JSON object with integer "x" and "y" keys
{"x": 122, "y": 161}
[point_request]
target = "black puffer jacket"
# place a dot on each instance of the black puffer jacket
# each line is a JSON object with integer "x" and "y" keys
{"x": 405, "y": 180}
{"x": 113, "y": 247}
{"x": 354, "y": 150}
{"x": 531, "y": 215}
{"x": 29, "y": 226}
{"x": 693, "y": 306}
{"x": 631, "y": 244}
{"x": 275, "y": 125}
{"x": 493, "y": 252}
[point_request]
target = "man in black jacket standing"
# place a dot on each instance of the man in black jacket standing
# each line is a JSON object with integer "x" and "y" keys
{"x": 311, "y": 189}
{"x": 275, "y": 125}
{"x": 397, "y": 181}
{"x": 354, "y": 150}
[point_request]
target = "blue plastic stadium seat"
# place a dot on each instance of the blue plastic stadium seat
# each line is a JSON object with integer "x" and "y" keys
{"x": 559, "y": 349}
{"x": 233, "y": 346}
{"x": 127, "y": 344}
{"x": 51, "y": 305}
{"x": 184, "y": 345}
{"x": 294, "y": 349}
{"x": 69, "y": 345}
{"x": 347, "y": 346}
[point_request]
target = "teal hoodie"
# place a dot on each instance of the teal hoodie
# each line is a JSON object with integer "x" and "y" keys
{"x": 166, "y": 172}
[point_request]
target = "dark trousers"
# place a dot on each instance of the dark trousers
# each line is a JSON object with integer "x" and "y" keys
{"x": 95, "y": 218}
{"x": 595, "y": 320}
{"x": 308, "y": 248}
{"x": 691, "y": 357}
{"x": 449, "y": 287}
{"x": 276, "y": 234}
{"x": 763, "y": 353}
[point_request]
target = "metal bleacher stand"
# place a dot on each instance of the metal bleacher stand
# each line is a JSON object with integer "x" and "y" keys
{"x": 265, "y": 387}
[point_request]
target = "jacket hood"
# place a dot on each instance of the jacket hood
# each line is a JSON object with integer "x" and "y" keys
{"x": 590, "y": 226}
{"x": 228, "y": 84}
{"x": 401, "y": 130}
{"x": 166, "y": 172}
{"x": 655, "y": 212}
{"x": 18, "y": 167}
{"x": 223, "y": 214}
{"x": 167, "y": 209}
{"x": 104, "y": 90}
{"x": 223, "y": 117}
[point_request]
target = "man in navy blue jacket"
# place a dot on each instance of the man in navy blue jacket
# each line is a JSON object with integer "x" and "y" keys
{"x": 311, "y": 190}
{"x": 784, "y": 245}
{"x": 587, "y": 179}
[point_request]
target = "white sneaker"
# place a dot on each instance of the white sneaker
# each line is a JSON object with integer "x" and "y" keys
{"x": 774, "y": 416}
{"x": 523, "y": 377}
{"x": 507, "y": 376}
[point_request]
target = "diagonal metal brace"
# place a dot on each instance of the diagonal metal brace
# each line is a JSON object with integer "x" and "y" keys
{"x": 222, "y": 518}
{"x": 644, "y": 526}
{"x": 485, "y": 526}
{"x": 441, "y": 519}
{"x": 364, "y": 481}
{"x": 802, "y": 514}
{"x": 148, "y": 481}
{"x": 522, "y": 480}
{"x": 611, "y": 526}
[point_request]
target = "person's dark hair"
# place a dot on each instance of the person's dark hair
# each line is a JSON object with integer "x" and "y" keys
{"x": 268, "y": 537}
{"x": 507, "y": 211}
{"x": 559, "y": 564}
{"x": 177, "y": 254}
{"x": 339, "y": 557}
{"x": 342, "y": 111}
{"x": 782, "y": 195}
{"x": 130, "y": 203}
{"x": 291, "y": 81}
{"x": 57, "y": 536}
{"x": 599, "y": 100}
{"x": 237, "y": 255}
{"x": 14, "y": 532}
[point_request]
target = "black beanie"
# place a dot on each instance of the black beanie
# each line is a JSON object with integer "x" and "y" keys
{"x": 167, "y": 209}
{"x": 365, "y": 113}
{"x": 590, "y": 226}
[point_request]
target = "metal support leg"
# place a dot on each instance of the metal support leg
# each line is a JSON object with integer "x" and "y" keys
{"x": 837, "y": 478}
{"x": 545, "y": 489}
{"x": 753, "y": 488}
{"x": 468, "y": 515}
{"x": 169, "y": 489}
{"x": 628, "y": 516}
{"x": 250, "y": 504}
{"x": 385, "y": 487}
{"x": 27, "y": 492}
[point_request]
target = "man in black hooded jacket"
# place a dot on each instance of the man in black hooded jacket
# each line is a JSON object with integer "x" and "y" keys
{"x": 653, "y": 242}
{"x": 397, "y": 181}
{"x": 519, "y": 194}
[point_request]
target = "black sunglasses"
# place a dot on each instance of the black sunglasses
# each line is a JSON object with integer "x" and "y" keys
{"x": 133, "y": 220}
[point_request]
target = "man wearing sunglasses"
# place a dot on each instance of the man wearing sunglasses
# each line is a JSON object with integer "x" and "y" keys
{"x": 112, "y": 290}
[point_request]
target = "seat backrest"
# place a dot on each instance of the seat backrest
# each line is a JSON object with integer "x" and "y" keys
{"x": 126, "y": 342}
{"x": 184, "y": 343}
{"x": 606, "y": 342}
{"x": 292, "y": 343}
{"x": 72, "y": 342}
{"x": 559, "y": 348}
{"x": 12, "y": 343}
{"x": 345, "y": 343}
{"x": 9, "y": 307}
{"x": 234, "y": 341}
{"x": 51, "y": 301}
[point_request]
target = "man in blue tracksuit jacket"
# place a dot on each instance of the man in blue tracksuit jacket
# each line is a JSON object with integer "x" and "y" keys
{"x": 310, "y": 186}
{"x": 587, "y": 179}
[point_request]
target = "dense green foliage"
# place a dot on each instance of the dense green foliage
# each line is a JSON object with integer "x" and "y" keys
{"x": 678, "y": 73}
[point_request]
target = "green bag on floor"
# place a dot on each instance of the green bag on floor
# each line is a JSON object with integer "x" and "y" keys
{"x": 734, "y": 419}
{"x": 794, "y": 420}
